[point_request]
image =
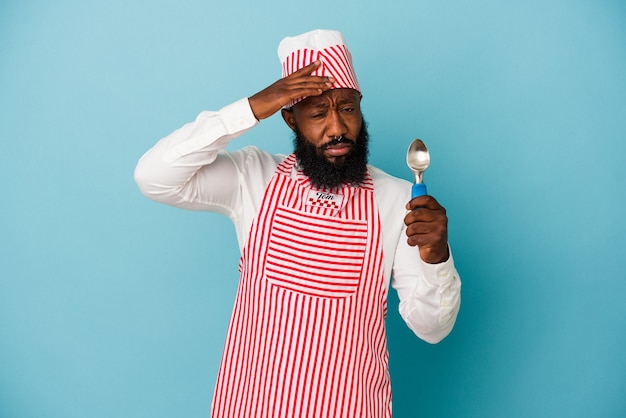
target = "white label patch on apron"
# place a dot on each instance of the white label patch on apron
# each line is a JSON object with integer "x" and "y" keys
{"x": 324, "y": 200}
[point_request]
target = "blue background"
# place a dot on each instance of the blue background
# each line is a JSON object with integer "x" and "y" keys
{"x": 114, "y": 306}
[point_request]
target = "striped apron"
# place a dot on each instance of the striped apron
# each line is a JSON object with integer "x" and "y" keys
{"x": 307, "y": 336}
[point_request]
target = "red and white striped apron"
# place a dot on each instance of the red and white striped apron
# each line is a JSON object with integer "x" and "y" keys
{"x": 307, "y": 336}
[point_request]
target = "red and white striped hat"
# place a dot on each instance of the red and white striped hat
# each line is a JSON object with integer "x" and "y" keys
{"x": 327, "y": 46}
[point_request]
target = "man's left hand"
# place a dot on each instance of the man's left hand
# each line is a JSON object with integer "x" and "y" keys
{"x": 427, "y": 227}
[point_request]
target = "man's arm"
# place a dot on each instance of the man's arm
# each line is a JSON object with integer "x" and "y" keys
{"x": 185, "y": 169}
{"x": 430, "y": 294}
{"x": 424, "y": 275}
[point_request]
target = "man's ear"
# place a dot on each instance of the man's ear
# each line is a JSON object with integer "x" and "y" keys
{"x": 289, "y": 118}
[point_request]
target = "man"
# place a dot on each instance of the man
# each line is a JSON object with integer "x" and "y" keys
{"x": 321, "y": 234}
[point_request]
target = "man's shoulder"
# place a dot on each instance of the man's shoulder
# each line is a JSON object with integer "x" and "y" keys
{"x": 252, "y": 155}
{"x": 391, "y": 194}
{"x": 383, "y": 180}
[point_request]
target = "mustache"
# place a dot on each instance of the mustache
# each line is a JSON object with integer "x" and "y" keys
{"x": 336, "y": 141}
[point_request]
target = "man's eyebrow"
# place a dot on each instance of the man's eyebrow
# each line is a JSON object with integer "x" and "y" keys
{"x": 318, "y": 105}
{"x": 340, "y": 102}
{"x": 347, "y": 100}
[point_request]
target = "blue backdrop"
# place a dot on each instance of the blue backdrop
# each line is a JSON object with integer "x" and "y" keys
{"x": 114, "y": 306}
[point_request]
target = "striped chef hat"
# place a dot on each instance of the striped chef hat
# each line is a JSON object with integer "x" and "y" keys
{"x": 327, "y": 46}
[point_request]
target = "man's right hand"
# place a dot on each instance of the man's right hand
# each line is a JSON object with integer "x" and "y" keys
{"x": 299, "y": 84}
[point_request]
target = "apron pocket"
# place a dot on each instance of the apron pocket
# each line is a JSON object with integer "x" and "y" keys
{"x": 314, "y": 254}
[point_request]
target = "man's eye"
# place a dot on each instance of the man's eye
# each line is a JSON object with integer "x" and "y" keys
{"x": 317, "y": 115}
{"x": 347, "y": 109}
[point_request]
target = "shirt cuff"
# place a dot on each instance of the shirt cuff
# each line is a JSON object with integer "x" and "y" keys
{"x": 438, "y": 274}
{"x": 238, "y": 116}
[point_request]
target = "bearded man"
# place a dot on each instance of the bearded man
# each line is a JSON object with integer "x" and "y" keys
{"x": 322, "y": 234}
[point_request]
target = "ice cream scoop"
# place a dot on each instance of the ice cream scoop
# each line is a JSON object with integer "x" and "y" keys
{"x": 418, "y": 160}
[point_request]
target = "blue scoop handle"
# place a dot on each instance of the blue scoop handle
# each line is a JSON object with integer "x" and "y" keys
{"x": 419, "y": 189}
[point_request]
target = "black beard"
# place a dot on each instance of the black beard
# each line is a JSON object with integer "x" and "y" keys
{"x": 324, "y": 174}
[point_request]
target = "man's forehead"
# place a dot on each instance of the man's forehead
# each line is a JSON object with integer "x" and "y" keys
{"x": 331, "y": 96}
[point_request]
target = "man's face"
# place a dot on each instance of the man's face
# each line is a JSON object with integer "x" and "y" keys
{"x": 331, "y": 122}
{"x": 331, "y": 142}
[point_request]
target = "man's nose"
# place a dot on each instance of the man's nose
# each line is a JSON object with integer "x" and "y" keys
{"x": 335, "y": 125}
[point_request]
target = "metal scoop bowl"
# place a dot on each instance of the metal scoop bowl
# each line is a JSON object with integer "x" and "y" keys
{"x": 418, "y": 160}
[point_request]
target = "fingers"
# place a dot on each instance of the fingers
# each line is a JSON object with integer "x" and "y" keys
{"x": 304, "y": 87}
{"x": 303, "y": 80}
{"x": 427, "y": 228}
{"x": 306, "y": 70}
{"x": 426, "y": 217}
{"x": 299, "y": 84}
{"x": 424, "y": 201}
{"x": 425, "y": 209}
{"x": 305, "y": 73}
{"x": 431, "y": 239}
{"x": 302, "y": 84}
{"x": 422, "y": 223}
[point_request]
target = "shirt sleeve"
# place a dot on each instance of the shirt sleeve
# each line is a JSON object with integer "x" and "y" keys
{"x": 188, "y": 169}
{"x": 430, "y": 294}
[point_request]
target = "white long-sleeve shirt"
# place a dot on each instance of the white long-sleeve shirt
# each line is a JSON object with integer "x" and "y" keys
{"x": 190, "y": 169}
